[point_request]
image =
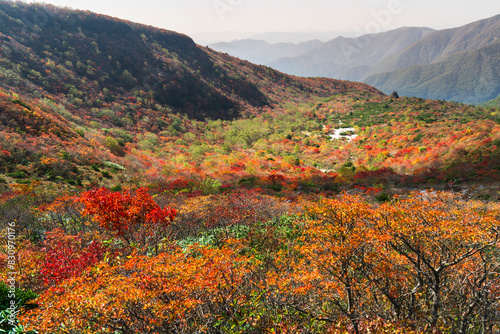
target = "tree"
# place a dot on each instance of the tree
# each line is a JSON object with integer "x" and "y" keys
{"x": 133, "y": 218}
{"x": 442, "y": 243}
{"x": 334, "y": 251}
{"x": 114, "y": 146}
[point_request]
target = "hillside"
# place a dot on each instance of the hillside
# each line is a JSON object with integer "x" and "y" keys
{"x": 468, "y": 76}
{"x": 85, "y": 90}
{"x": 90, "y": 86}
{"x": 495, "y": 103}
{"x": 78, "y": 94}
{"x": 98, "y": 61}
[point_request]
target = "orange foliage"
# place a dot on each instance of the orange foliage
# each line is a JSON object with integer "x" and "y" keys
{"x": 168, "y": 293}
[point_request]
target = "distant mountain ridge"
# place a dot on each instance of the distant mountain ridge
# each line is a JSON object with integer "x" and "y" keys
{"x": 467, "y": 76}
{"x": 460, "y": 64}
{"x": 335, "y": 58}
{"x": 456, "y": 64}
{"x": 347, "y": 58}
{"x": 262, "y": 52}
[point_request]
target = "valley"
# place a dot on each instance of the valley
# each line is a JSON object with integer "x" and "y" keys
{"x": 152, "y": 185}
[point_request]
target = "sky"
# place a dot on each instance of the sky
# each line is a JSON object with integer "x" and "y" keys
{"x": 225, "y": 20}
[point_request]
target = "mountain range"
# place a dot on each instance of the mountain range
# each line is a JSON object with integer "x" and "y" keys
{"x": 457, "y": 64}
{"x": 93, "y": 61}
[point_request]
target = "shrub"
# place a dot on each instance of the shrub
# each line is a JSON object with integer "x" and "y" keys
{"x": 18, "y": 175}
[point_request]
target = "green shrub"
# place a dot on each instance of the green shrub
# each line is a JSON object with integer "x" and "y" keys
{"x": 383, "y": 197}
{"x": 65, "y": 155}
{"x": 18, "y": 175}
{"x": 114, "y": 146}
{"x": 80, "y": 132}
{"x": 116, "y": 188}
{"x": 21, "y": 103}
{"x": 210, "y": 186}
{"x": 22, "y": 297}
{"x": 22, "y": 300}
{"x": 248, "y": 181}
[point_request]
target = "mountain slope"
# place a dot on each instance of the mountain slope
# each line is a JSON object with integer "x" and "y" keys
{"x": 91, "y": 57}
{"x": 95, "y": 61}
{"x": 495, "y": 103}
{"x": 468, "y": 76}
{"x": 86, "y": 99}
{"x": 439, "y": 45}
{"x": 78, "y": 90}
{"x": 458, "y": 64}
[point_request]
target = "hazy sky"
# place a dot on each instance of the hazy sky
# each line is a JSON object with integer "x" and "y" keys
{"x": 224, "y": 19}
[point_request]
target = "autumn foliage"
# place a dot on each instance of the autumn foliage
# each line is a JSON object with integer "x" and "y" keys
{"x": 243, "y": 213}
{"x": 67, "y": 256}
{"x": 423, "y": 262}
{"x": 131, "y": 217}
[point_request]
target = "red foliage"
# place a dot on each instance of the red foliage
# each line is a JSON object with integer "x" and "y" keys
{"x": 369, "y": 190}
{"x": 120, "y": 212}
{"x": 237, "y": 167}
{"x": 276, "y": 179}
{"x": 379, "y": 174}
{"x": 179, "y": 184}
{"x": 404, "y": 152}
{"x": 195, "y": 193}
{"x": 67, "y": 257}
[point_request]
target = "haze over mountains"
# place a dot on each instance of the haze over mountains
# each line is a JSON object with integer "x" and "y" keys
{"x": 349, "y": 58}
{"x": 458, "y": 64}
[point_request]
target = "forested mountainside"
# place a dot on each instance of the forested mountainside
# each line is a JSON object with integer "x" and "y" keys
{"x": 85, "y": 88}
{"x": 493, "y": 103}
